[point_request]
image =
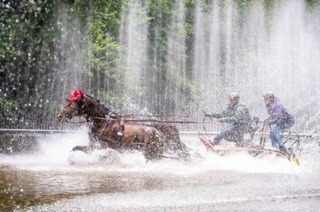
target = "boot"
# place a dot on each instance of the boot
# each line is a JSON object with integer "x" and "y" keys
{"x": 286, "y": 152}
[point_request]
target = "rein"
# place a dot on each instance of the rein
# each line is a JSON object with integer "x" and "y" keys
{"x": 151, "y": 120}
{"x": 108, "y": 117}
{"x": 203, "y": 125}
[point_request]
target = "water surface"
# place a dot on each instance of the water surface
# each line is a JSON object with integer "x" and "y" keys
{"x": 45, "y": 181}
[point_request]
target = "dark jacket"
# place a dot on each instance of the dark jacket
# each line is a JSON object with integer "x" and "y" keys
{"x": 234, "y": 114}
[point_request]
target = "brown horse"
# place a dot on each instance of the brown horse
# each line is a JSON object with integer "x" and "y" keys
{"x": 107, "y": 130}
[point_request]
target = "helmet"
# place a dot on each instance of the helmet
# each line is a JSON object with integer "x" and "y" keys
{"x": 269, "y": 95}
{"x": 76, "y": 95}
{"x": 234, "y": 95}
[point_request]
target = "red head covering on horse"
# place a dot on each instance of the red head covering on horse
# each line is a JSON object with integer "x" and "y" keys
{"x": 76, "y": 95}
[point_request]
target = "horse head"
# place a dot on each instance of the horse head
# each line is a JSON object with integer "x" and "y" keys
{"x": 75, "y": 106}
{"x": 81, "y": 104}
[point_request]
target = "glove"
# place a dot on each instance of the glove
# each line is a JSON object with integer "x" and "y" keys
{"x": 207, "y": 115}
{"x": 221, "y": 120}
{"x": 267, "y": 122}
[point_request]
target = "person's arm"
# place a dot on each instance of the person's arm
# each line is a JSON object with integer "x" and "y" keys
{"x": 276, "y": 115}
{"x": 241, "y": 115}
{"x": 224, "y": 113}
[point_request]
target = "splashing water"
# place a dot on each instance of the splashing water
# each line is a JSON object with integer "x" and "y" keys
{"x": 127, "y": 181}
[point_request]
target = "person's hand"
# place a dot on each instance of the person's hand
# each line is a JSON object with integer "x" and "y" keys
{"x": 221, "y": 120}
{"x": 266, "y": 122}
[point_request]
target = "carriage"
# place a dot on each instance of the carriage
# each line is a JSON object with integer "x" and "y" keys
{"x": 155, "y": 139}
{"x": 248, "y": 145}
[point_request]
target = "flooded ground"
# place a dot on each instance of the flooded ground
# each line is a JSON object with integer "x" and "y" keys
{"x": 45, "y": 181}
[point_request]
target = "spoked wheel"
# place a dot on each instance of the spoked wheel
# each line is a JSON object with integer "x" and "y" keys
{"x": 255, "y": 153}
{"x": 253, "y": 150}
{"x": 263, "y": 136}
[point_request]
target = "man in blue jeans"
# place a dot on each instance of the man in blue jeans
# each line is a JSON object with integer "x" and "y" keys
{"x": 280, "y": 118}
{"x": 237, "y": 116}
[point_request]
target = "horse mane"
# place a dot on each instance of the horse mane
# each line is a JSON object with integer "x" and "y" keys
{"x": 100, "y": 105}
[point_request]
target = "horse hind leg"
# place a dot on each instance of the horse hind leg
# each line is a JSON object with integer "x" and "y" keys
{"x": 174, "y": 144}
{"x": 181, "y": 150}
{"x": 154, "y": 147}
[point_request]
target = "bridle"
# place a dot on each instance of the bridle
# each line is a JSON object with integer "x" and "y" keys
{"x": 73, "y": 108}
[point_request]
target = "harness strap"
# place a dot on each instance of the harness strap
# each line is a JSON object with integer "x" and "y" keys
{"x": 121, "y": 129}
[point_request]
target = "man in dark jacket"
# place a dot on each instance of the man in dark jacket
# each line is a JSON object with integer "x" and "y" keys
{"x": 237, "y": 115}
{"x": 279, "y": 117}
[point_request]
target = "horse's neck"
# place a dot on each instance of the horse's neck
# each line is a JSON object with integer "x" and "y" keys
{"x": 100, "y": 108}
{"x": 95, "y": 113}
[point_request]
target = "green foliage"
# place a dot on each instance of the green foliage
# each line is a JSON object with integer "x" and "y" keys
{"x": 243, "y": 5}
{"x": 313, "y": 5}
{"x": 32, "y": 52}
{"x": 101, "y": 20}
{"x": 9, "y": 108}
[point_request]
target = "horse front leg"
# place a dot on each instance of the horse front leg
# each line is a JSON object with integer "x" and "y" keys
{"x": 85, "y": 149}
{"x": 94, "y": 144}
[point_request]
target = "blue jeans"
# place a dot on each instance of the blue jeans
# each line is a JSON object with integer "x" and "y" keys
{"x": 232, "y": 133}
{"x": 276, "y": 137}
